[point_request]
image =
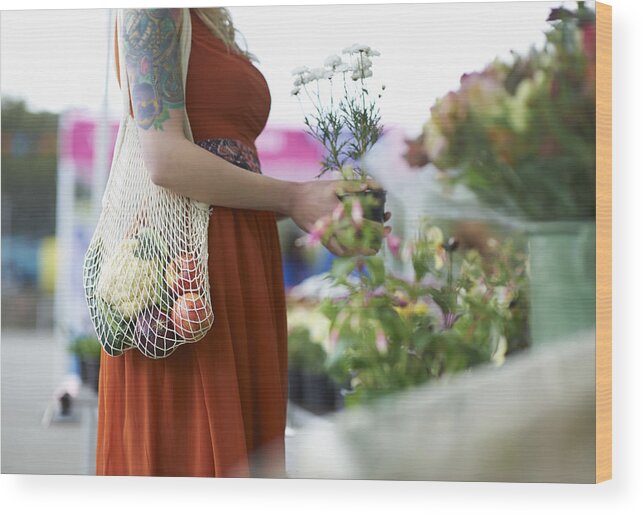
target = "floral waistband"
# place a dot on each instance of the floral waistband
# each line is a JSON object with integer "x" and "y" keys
{"x": 232, "y": 151}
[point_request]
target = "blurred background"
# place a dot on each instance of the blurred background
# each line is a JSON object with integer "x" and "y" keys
{"x": 60, "y": 115}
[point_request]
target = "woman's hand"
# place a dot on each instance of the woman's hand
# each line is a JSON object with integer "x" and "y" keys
{"x": 315, "y": 200}
{"x": 331, "y": 242}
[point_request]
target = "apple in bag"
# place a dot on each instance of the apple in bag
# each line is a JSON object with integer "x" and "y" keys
{"x": 191, "y": 315}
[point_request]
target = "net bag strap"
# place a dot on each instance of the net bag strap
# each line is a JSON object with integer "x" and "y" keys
{"x": 186, "y": 45}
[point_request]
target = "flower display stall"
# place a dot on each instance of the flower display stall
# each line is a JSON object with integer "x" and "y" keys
{"x": 522, "y": 136}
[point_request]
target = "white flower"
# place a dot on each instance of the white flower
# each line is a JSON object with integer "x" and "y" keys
{"x": 297, "y": 82}
{"x": 357, "y": 47}
{"x": 364, "y": 62}
{"x": 504, "y": 295}
{"x": 307, "y": 77}
{"x": 300, "y": 70}
{"x": 333, "y": 61}
{"x": 343, "y": 68}
{"x": 320, "y": 73}
{"x": 362, "y": 73}
{"x": 295, "y": 91}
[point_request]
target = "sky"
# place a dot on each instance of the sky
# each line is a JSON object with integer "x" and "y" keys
{"x": 56, "y": 59}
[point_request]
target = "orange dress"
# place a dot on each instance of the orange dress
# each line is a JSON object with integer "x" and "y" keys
{"x": 216, "y": 407}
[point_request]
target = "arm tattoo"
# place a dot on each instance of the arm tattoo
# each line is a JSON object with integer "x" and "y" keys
{"x": 153, "y": 58}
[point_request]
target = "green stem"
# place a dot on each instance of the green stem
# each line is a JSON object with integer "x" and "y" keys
{"x": 450, "y": 270}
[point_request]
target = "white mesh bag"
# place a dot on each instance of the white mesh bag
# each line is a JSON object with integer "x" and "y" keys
{"x": 146, "y": 268}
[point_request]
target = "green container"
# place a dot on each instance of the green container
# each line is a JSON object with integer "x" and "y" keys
{"x": 562, "y": 279}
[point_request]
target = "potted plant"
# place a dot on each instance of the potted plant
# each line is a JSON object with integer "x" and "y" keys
{"x": 87, "y": 350}
{"x": 309, "y": 385}
{"x": 345, "y": 119}
{"x": 458, "y": 310}
{"x": 522, "y": 136}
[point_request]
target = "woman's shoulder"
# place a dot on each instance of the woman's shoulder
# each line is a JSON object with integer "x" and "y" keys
{"x": 151, "y": 23}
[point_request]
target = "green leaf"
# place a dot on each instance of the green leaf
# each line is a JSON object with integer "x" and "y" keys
{"x": 342, "y": 266}
{"x": 446, "y": 298}
{"x": 560, "y": 13}
{"x": 375, "y": 267}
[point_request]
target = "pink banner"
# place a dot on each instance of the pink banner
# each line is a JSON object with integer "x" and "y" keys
{"x": 289, "y": 154}
{"x": 77, "y": 138}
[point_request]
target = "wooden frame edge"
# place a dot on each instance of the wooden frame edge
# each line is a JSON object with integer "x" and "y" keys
{"x": 603, "y": 242}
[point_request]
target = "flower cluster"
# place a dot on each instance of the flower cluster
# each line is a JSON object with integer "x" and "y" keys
{"x": 457, "y": 310}
{"x": 344, "y": 117}
{"x": 358, "y": 64}
{"x": 521, "y": 134}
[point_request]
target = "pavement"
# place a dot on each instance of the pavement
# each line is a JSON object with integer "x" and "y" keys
{"x": 33, "y": 365}
{"x": 531, "y": 420}
{"x": 35, "y": 440}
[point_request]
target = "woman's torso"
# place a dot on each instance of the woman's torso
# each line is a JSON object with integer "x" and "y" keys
{"x": 226, "y": 95}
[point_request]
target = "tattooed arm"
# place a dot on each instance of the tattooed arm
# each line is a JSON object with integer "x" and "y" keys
{"x": 151, "y": 43}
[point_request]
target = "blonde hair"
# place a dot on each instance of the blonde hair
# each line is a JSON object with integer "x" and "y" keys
{"x": 219, "y": 21}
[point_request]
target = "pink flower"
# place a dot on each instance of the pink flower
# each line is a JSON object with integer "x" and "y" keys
{"x": 317, "y": 232}
{"x": 394, "y": 243}
{"x": 407, "y": 250}
{"x": 357, "y": 213}
{"x": 416, "y": 155}
{"x": 313, "y": 238}
{"x": 480, "y": 89}
{"x": 448, "y": 110}
{"x": 589, "y": 41}
{"x": 399, "y": 302}
{"x": 378, "y": 292}
{"x": 338, "y": 212}
{"x": 380, "y": 341}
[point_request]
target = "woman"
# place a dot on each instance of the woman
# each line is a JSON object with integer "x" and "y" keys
{"x": 217, "y": 407}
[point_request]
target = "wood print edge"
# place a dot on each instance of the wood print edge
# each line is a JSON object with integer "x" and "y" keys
{"x": 603, "y": 242}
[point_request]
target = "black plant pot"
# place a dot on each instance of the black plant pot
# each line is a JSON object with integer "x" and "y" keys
{"x": 372, "y": 210}
{"x": 295, "y": 386}
{"x": 89, "y": 372}
{"x": 321, "y": 394}
{"x": 316, "y": 393}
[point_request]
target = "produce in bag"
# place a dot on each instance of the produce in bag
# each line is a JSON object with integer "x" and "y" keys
{"x": 146, "y": 269}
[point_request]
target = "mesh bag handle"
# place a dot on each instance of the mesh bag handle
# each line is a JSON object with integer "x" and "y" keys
{"x": 145, "y": 271}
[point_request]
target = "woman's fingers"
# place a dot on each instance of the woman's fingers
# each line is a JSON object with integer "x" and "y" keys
{"x": 373, "y": 184}
{"x": 330, "y": 242}
{"x": 367, "y": 252}
{"x": 377, "y": 229}
{"x": 336, "y": 248}
{"x": 343, "y": 187}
